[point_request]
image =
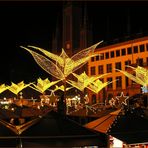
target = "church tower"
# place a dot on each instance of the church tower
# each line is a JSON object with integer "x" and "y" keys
{"x": 72, "y": 15}
{"x": 73, "y": 31}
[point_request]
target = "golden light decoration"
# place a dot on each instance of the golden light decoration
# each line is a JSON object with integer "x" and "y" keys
{"x": 64, "y": 65}
{"x": 97, "y": 85}
{"x": 3, "y": 87}
{"x": 61, "y": 88}
{"x": 16, "y": 88}
{"x": 120, "y": 100}
{"x": 83, "y": 81}
{"x": 43, "y": 85}
{"x": 52, "y": 98}
{"x": 141, "y": 76}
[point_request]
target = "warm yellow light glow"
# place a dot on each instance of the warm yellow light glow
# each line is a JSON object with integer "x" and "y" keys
{"x": 121, "y": 100}
{"x": 141, "y": 75}
{"x": 63, "y": 65}
{"x": 97, "y": 85}
{"x": 16, "y": 88}
{"x": 52, "y": 98}
{"x": 61, "y": 88}
{"x": 84, "y": 81}
{"x": 43, "y": 85}
{"x": 3, "y": 87}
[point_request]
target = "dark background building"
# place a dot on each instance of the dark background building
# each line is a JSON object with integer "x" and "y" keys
{"x": 38, "y": 23}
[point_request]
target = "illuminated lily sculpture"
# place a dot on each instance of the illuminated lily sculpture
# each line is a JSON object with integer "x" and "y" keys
{"x": 16, "y": 88}
{"x": 83, "y": 81}
{"x": 141, "y": 76}
{"x": 98, "y": 85}
{"x": 64, "y": 65}
{"x": 43, "y": 85}
{"x": 61, "y": 66}
{"x": 3, "y": 87}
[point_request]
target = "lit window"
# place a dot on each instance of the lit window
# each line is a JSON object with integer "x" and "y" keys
{"x": 139, "y": 62}
{"x": 107, "y": 55}
{"x": 118, "y": 82}
{"x": 93, "y": 70}
{"x": 111, "y": 84}
{"x": 129, "y": 50}
{"x": 92, "y": 59}
{"x": 142, "y": 48}
{"x": 128, "y": 62}
{"x": 112, "y": 54}
{"x": 117, "y": 53}
{"x": 97, "y": 58}
{"x": 123, "y": 51}
{"x": 118, "y": 65}
{"x": 126, "y": 81}
{"x": 147, "y": 46}
{"x": 102, "y": 56}
{"x": 135, "y": 49}
{"x": 109, "y": 68}
{"x": 100, "y": 69}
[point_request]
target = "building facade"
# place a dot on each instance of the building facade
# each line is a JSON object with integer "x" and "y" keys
{"x": 132, "y": 52}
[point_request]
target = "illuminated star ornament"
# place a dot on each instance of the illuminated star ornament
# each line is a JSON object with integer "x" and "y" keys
{"x": 122, "y": 99}
{"x": 53, "y": 98}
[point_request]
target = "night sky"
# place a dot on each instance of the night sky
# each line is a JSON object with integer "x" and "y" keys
{"x": 33, "y": 23}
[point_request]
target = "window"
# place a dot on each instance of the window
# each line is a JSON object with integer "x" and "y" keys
{"x": 126, "y": 81}
{"x": 135, "y": 49}
{"x": 117, "y": 53}
{"x": 109, "y": 68}
{"x": 139, "y": 61}
{"x": 107, "y": 55}
{"x": 128, "y": 62}
{"x": 97, "y": 58}
{"x": 129, "y": 50}
{"x": 102, "y": 56}
{"x": 92, "y": 59}
{"x": 147, "y": 46}
{"x": 118, "y": 82}
{"x": 118, "y": 65}
{"x": 111, "y": 84}
{"x": 123, "y": 51}
{"x": 93, "y": 70}
{"x": 94, "y": 101}
{"x": 142, "y": 48}
{"x": 100, "y": 69}
{"x": 112, "y": 54}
